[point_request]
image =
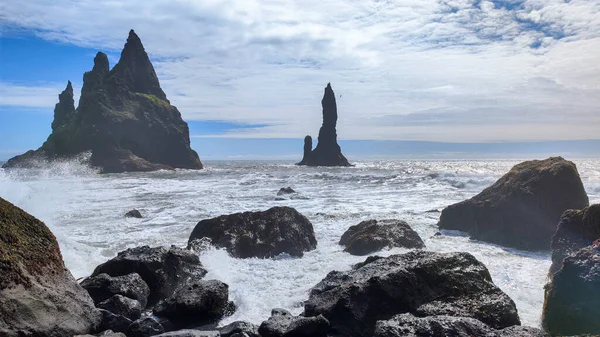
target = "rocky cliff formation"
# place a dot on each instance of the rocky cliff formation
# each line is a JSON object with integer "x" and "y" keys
{"x": 123, "y": 118}
{"x": 327, "y": 152}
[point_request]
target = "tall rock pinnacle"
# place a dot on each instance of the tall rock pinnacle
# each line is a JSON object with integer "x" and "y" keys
{"x": 64, "y": 109}
{"x": 327, "y": 152}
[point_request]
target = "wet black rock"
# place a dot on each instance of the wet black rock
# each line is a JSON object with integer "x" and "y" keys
{"x": 163, "y": 269}
{"x": 134, "y": 213}
{"x": 577, "y": 229}
{"x": 419, "y": 282}
{"x": 189, "y": 333}
{"x": 114, "y": 322}
{"x": 259, "y": 234}
{"x": 102, "y": 287}
{"x": 372, "y": 235}
{"x": 123, "y": 306}
{"x": 239, "y": 327}
{"x": 145, "y": 327}
{"x": 123, "y": 118}
{"x": 523, "y": 207}
{"x": 572, "y": 296}
{"x": 443, "y": 326}
{"x": 283, "y": 324}
{"x": 196, "y": 303}
{"x": 286, "y": 190}
{"x": 327, "y": 152}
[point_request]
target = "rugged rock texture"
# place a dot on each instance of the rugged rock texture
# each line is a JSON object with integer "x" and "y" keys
{"x": 134, "y": 213}
{"x": 327, "y": 152}
{"x": 145, "y": 327}
{"x": 123, "y": 118}
{"x": 283, "y": 324}
{"x": 371, "y": 236}
{"x": 123, "y": 306}
{"x": 419, "y": 282}
{"x": 38, "y": 295}
{"x": 576, "y": 230}
{"x": 195, "y": 304}
{"x": 239, "y": 327}
{"x": 114, "y": 322}
{"x": 163, "y": 269}
{"x": 259, "y": 234}
{"x": 523, "y": 207}
{"x": 572, "y": 298}
{"x": 189, "y": 333}
{"x": 443, "y": 326}
{"x": 102, "y": 287}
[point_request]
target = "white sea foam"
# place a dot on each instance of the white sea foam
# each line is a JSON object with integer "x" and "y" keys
{"x": 85, "y": 211}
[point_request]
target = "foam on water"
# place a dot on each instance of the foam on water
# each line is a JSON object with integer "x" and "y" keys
{"x": 85, "y": 211}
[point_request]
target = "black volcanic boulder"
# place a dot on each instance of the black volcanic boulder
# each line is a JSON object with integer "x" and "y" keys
{"x": 572, "y": 297}
{"x": 239, "y": 328}
{"x": 123, "y": 306}
{"x": 523, "y": 207}
{"x": 38, "y": 295}
{"x": 259, "y": 234}
{"x": 145, "y": 327}
{"x": 419, "y": 282}
{"x": 577, "y": 229}
{"x": 124, "y": 118}
{"x": 134, "y": 213}
{"x": 196, "y": 303}
{"x": 442, "y": 326}
{"x": 103, "y": 286}
{"x": 327, "y": 152}
{"x": 114, "y": 322}
{"x": 283, "y": 324}
{"x": 372, "y": 235}
{"x": 286, "y": 190}
{"x": 163, "y": 269}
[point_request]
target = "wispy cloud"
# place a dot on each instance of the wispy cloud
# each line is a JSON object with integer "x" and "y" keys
{"x": 453, "y": 70}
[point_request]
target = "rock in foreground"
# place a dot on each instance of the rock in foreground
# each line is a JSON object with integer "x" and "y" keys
{"x": 572, "y": 298}
{"x": 38, "y": 295}
{"x": 259, "y": 234}
{"x": 523, "y": 207}
{"x": 283, "y": 324}
{"x": 576, "y": 230}
{"x": 327, "y": 152}
{"x": 123, "y": 118}
{"x": 420, "y": 282}
{"x": 372, "y": 235}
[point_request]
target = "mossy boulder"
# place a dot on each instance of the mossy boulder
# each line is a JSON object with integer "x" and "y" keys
{"x": 38, "y": 295}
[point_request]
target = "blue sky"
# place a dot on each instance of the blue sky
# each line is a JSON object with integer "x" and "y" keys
{"x": 413, "y": 78}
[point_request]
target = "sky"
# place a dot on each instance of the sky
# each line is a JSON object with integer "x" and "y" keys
{"x": 412, "y": 77}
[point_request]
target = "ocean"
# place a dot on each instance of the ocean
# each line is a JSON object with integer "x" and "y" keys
{"x": 85, "y": 211}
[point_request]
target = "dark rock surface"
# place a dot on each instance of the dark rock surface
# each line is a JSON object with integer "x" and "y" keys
{"x": 572, "y": 297}
{"x": 283, "y": 323}
{"x": 123, "y": 118}
{"x": 102, "y": 287}
{"x": 443, "y": 326}
{"x": 134, "y": 213}
{"x": 239, "y": 327}
{"x": 163, "y": 269}
{"x": 121, "y": 305}
{"x": 286, "y": 190}
{"x": 259, "y": 234}
{"x": 38, "y": 295}
{"x": 523, "y": 207}
{"x": 419, "y": 282}
{"x": 145, "y": 327}
{"x": 372, "y": 235}
{"x": 114, "y": 322}
{"x": 327, "y": 152}
{"x": 196, "y": 303}
{"x": 190, "y": 333}
{"x": 576, "y": 230}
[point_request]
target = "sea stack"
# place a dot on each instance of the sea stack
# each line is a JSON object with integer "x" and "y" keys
{"x": 124, "y": 118}
{"x": 327, "y": 152}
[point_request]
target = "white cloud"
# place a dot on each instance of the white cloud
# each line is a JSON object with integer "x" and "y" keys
{"x": 449, "y": 70}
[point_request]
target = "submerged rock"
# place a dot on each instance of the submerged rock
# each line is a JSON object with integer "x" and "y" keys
{"x": 286, "y": 190}
{"x": 123, "y": 118}
{"x": 371, "y": 236}
{"x": 102, "y": 287}
{"x": 419, "y": 282}
{"x": 572, "y": 296}
{"x": 163, "y": 269}
{"x": 134, "y": 213}
{"x": 196, "y": 303}
{"x": 38, "y": 295}
{"x": 522, "y": 208}
{"x": 283, "y": 324}
{"x": 576, "y": 230}
{"x": 259, "y": 234}
{"x": 327, "y": 152}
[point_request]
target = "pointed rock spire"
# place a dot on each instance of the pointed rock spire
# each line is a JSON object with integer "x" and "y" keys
{"x": 136, "y": 70}
{"x": 64, "y": 109}
{"x": 93, "y": 78}
{"x": 327, "y": 152}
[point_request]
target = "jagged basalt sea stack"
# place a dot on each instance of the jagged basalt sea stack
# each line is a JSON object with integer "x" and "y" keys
{"x": 327, "y": 152}
{"x": 124, "y": 118}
